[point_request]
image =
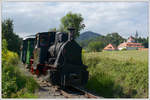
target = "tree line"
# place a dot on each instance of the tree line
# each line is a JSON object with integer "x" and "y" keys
{"x": 115, "y": 39}
{"x": 12, "y": 39}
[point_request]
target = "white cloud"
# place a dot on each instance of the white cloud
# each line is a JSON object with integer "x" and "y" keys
{"x": 100, "y": 17}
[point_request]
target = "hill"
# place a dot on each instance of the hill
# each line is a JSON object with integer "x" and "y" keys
{"x": 87, "y": 36}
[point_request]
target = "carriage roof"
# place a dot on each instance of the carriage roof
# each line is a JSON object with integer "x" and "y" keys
{"x": 29, "y": 37}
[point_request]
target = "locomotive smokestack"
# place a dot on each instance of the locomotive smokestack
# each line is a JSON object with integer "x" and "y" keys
{"x": 71, "y": 34}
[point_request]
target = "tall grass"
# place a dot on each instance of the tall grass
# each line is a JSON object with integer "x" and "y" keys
{"x": 111, "y": 76}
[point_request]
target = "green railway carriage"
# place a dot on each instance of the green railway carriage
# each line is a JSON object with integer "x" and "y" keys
{"x": 28, "y": 47}
{"x": 24, "y": 51}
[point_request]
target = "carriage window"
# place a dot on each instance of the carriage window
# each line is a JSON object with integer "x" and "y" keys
{"x": 43, "y": 41}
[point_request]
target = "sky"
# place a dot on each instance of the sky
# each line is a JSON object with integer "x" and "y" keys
{"x": 100, "y": 17}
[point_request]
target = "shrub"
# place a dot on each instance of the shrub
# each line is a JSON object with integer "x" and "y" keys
{"x": 14, "y": 83}
{"x": 4, "y": 51}
{"x": 96, "y": 46}
{"x": 12, "y": 58}
{"x": 124, "y": 49}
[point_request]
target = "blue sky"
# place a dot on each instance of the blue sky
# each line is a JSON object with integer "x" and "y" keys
{"x": 100, "y": 17}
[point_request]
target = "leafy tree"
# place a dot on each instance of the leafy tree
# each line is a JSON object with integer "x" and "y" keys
{"x": 144, "y": 41}
{"x": 53, "y": 29}
{"x": 72, "y": 20}
{"x": 13, "y": 40}
{"x": 96, "y": 46}
{"x": 114, "y": 38}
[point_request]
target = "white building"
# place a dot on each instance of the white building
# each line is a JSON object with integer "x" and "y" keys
{"x": 130, "y": 45}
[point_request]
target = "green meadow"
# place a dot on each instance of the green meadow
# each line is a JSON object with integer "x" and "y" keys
{"x": 119, "y": 74}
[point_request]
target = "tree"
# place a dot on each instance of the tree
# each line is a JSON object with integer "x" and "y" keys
{"x": 114, "y": 38}
{"x": 96, "y": 46}
{"x": 53, "y": 29}
{"x": 7, "y": 28}
{"x": 72, "y": 20}
{"x": 144, "y": 41}
{"x": 13, "y": 40}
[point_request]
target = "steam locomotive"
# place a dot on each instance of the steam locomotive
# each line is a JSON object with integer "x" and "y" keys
{"x": 56, "y": 55}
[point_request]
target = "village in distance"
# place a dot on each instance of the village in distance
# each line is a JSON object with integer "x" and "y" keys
{"x": 95, "y": 42}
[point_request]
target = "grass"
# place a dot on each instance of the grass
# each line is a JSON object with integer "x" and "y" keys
{"x": 136, "y": 55}
{"x": 118, "y": 73}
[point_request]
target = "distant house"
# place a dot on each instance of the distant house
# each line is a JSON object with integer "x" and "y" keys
{"x": 130, "y": 44}
{"x": 131, "y": 39}
{"x": 110, "y": 47}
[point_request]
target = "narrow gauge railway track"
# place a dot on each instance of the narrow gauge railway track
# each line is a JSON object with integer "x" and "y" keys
{"x": 69, "y": 92}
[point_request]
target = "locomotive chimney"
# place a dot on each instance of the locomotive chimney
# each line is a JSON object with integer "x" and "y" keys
{"x": 71, "y": 34}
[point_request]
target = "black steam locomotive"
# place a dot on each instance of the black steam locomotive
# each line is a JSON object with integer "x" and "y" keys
{"x": 57, "y": 55}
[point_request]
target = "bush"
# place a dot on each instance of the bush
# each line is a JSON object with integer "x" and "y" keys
{"x": 95, "y": 46}
{"x": 12, "y": 58}
{"x": 14, "y": 83}
{"x": 4, "y": 51}
{"x": 124, "y": 49}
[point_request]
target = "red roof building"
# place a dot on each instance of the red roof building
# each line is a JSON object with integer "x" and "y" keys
{"x": 110, "y": 47}
{"x": 131, "y": 39}
{"x": 130, "y": 45}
